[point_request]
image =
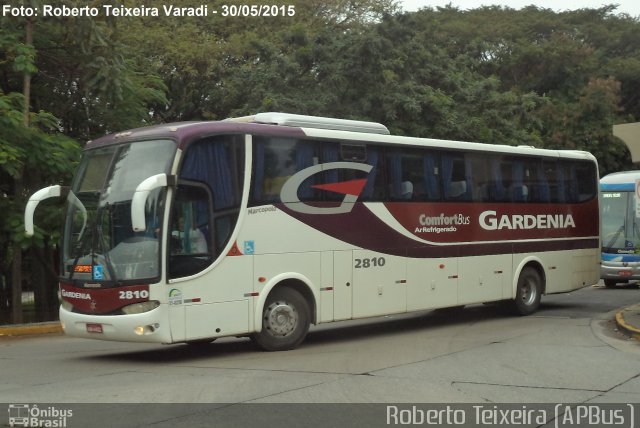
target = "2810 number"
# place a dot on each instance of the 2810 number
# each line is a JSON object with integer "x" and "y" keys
{"x": 135, "y": 294}
{"x": 369, "y": 263}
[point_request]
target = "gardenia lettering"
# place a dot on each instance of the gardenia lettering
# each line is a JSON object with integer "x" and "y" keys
{"x": 76, "y": 295}
{"x": 490, "y": 220}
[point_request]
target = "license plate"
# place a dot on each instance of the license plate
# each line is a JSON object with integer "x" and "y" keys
{"x": 624, "y": 273}
{"x": 94, "y": 328}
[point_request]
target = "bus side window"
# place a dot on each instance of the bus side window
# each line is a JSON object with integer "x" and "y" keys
{"x": 585, "y": 183}
{"x": 541, "y": 191}
{"x": 519, "y": 189}
{"x": 431, "y": 173}
{"x": 454, "y": 178}
{"x": 478, "y": 177}
{"x": 275, "y": 160}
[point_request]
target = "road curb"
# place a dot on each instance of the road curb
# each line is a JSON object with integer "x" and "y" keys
{"x": 626, "y": 326}
{"x": 30, "y": 329}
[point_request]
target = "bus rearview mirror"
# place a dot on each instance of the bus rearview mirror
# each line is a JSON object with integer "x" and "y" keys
{"x": 139, "y": 201}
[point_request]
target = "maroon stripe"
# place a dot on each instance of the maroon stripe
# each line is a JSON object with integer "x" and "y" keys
{"x": 380, "y": 237}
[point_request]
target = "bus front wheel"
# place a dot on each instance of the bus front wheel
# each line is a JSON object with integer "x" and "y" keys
{"x": 528, "y": 292}
{"x": 285, "y": 320}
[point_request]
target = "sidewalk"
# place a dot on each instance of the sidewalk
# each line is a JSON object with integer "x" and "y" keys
{"x": 628, "y": 320}
{"x": 30, "y": 329}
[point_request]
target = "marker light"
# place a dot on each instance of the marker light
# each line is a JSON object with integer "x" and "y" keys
{"x": 146, "y": 329}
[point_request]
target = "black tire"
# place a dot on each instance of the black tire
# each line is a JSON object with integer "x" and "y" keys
{"x": 610, "y": 283}
{"x": 528, "y": 292}
{"x": 285, "y": 320}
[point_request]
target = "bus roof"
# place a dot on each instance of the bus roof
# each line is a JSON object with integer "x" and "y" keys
{"x": 300, "y": 126}
{"x": 620, "y": 181}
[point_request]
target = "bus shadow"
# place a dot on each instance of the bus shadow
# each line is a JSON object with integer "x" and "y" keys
{"x": 395, "y": 324}
{"x": 336, "y": 333}
{"x": 326, "y": 333}
{"x": 180, "y": 352}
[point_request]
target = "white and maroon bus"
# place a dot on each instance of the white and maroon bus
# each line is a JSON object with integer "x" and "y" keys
{"x": 260, "y": 226}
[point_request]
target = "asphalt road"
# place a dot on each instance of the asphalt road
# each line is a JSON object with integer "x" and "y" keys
{"x": 567, "y": 352}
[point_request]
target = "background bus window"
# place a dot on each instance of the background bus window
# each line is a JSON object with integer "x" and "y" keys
{"x": 615, "y": 216}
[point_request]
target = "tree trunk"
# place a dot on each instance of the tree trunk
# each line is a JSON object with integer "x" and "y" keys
{"x": 18, "y": 187}
{"x": 45, "y": 282}
{"x": 16, "y": 285}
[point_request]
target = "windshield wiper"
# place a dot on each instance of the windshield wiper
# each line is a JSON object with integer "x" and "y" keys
{"x": 615, "y": 237}
{"x": 73, "y": 200}
{"x": 96, "y": 229}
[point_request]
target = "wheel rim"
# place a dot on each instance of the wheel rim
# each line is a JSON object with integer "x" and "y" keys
{"x": 529, "y": 292}
{"x": 281, "y": 319}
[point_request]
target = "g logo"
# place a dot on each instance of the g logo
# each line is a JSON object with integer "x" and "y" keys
{"x": 351, "y": 189}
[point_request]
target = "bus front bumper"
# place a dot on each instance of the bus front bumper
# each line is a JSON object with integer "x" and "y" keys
{"x": 149, "y": 327}
{"x": 620, "y": 272}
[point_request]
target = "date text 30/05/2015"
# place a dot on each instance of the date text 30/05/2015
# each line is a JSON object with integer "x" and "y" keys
{"x": 246, "y": 10}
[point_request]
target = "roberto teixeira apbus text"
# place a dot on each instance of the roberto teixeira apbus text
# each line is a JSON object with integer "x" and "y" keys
{"x": 562, "y": 415}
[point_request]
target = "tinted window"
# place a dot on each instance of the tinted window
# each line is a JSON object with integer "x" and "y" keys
{"x": 416, "y": 174}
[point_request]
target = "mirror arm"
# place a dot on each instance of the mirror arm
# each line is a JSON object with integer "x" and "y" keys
{"x": 42, "y": 194}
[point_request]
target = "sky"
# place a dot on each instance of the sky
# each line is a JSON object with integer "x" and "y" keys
{"x": 631, "y": 7}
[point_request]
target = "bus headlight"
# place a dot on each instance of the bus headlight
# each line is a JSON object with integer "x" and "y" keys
{"x": 66, "y": 305}
{"x": 138, "y": 308}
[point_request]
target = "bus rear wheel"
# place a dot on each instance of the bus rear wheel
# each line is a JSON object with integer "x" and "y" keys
{"x": 285, "y": 320}
{"x": 528, "y": 292}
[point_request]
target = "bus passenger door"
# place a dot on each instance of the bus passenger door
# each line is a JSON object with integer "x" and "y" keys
{"x": 342, "y": 285}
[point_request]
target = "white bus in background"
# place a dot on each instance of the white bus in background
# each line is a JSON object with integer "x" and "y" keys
{"x": 260, "y": 226}
{"x": 620, "y": 228}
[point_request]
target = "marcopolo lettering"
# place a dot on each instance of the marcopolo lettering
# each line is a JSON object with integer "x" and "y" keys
{"x": 490, "y": 220}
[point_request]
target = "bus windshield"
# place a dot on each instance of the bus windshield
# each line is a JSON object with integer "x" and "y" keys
{"x": 99, "y": 244}
{"x": 620, "y": 228}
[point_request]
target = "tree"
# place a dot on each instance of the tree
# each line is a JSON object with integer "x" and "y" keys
{"x": 67, "y": 78}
